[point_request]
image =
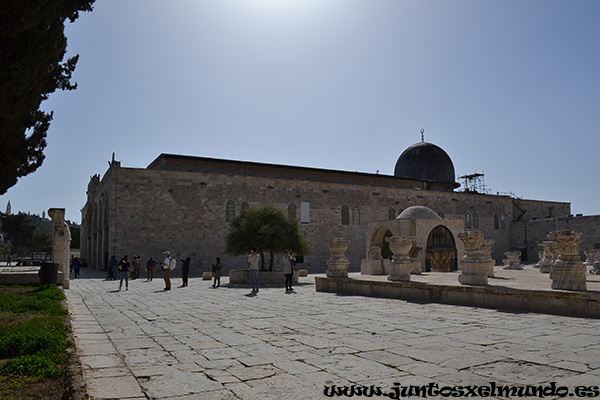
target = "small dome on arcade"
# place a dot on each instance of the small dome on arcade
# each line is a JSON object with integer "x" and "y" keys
{"x": 418, "y": 212}
{"x": 425, "y": 162}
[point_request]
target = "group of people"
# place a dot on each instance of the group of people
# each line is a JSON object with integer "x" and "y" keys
{"x": 125, "y": 270}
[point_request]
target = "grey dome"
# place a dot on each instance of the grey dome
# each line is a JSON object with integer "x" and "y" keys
{"x": 418, "y": 212}
{"x": 425, "y": 162}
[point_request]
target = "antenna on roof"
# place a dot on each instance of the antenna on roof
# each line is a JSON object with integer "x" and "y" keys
{"x": 422, "y": 137}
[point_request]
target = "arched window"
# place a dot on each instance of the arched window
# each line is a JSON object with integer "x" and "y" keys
{"x": 392, "y": 214}
{"x": 229, "y": 211}
{"x": 468, "y": 220}
{"x": 345, "y": 216}
{"x": 292, "y": 210}
{"x": 244, "y": 206}
{"x": 475, "y": 221}
{"x": 502, "y": 222}
{"x": 496, "y": 222}
{"x": 355, "y": 216}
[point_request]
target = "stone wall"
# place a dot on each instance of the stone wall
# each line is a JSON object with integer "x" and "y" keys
{"x": 146, "y": 211}
{"x": 527, "y": 212}
{"x": 539, "y": 229}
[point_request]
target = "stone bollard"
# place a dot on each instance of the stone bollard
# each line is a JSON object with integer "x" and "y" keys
{"x": 401, "y": 265}
{"x": 61, "y": 242}
{"x": 207, "y": 276}
{"x": 302, "y": 272}
{"x": 548, "y": 257}
{"x": 568, "y": 271}
{"x": 414, "y": 260}
{"x": 512, "y": 260}
{"x": 337, "y": 264}
{"x": 475, "y": 264}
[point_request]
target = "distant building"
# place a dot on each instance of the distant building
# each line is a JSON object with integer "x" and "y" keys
{"x": 184, "y": 204}
{"x": 8, "y": 208}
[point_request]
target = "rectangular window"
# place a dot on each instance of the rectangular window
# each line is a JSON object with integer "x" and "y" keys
{"x": 304, "y": 213}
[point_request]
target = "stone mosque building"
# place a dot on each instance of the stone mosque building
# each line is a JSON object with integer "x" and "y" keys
{"x": 184, "y": 204}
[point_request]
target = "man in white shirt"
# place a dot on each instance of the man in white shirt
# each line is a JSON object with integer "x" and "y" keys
{"x": 169, "y": 264}
{"x": 253, "y": 260}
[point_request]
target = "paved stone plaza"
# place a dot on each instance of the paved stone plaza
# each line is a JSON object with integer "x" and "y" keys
{"x": 203, "y": 343}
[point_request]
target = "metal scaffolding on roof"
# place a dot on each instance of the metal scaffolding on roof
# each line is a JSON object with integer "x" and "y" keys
{"x": 474, "y": 183}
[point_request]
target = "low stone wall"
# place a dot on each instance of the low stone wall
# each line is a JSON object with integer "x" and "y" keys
{"x": 20, "y": 278}
{"x": 265, "y": 278}
{"x": 573, "y": 304}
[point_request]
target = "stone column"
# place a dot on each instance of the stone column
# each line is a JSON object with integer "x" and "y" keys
{"x": 414, "y": 261}
{"x": 488, "y": 246}
{"x": 596, "y": 263}
{"x": 592, "y": 261}
{"x": 540, "y": 258}
{"x": 512, "y": 260}
{"x": 61, "y": 243}
{"x": 548, "y": 257}
{"x": 475, "y": 264}
{"x": 401, "y": 266}
{"x": 374, "y": 264}
{"x": 568, "y": 271}
{"x": 337, "y": 264}
{"x": 440, "y": 260}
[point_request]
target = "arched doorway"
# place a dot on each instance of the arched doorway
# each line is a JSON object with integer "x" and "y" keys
{"x": 378, "y": 240}
{"x": 440, "y": 238}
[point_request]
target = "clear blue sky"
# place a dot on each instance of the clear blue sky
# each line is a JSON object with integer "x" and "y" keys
{"x": 510, "y": 88}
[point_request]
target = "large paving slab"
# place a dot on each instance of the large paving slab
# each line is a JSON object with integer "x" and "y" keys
{"x": 203, "y": 343}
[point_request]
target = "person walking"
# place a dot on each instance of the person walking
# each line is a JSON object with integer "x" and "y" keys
{"x": 135, "y": 266}
{"x": 123, "y": 269}
{"x": 185, "y": 270}
{"x": 288, "y": 269}
{"x": 76, "y": 266}
{"x": 168, "y": 265}
{"x": 216, "y": 267}
{"x": 253, "y": 260}
{"x": 150, "y": 268}
{"x": 112, "y": 268}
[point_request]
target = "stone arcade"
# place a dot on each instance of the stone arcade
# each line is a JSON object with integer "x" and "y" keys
{"x": 184, "y": 203}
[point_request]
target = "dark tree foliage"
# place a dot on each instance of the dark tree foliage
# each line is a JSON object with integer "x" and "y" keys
{"x": 32, "y": 48}
{"x": 18, "y": 231}
{"x": 267, "y": 229}
{"x": 22, "y": 236}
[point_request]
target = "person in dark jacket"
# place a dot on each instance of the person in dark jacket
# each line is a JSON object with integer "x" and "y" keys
{"x": 185, "y": 270}
{"x": 123, "y": 269}
{"x": 216, "y": 268}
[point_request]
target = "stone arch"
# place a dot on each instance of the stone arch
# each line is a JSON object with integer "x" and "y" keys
{"x": 378, "y": 239}
{"x": 441, "y": 238}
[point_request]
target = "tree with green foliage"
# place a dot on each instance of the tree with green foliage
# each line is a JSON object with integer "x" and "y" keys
{"x": 267, "y": 229}
{"x": 18, "y": 232}
{"x": 32, "y": 48}
{"x": 22, "y": 236}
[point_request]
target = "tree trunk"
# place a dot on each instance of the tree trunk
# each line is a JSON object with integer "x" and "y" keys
{"x": 262, "y": 261}
{"x": 271, "y": 260}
